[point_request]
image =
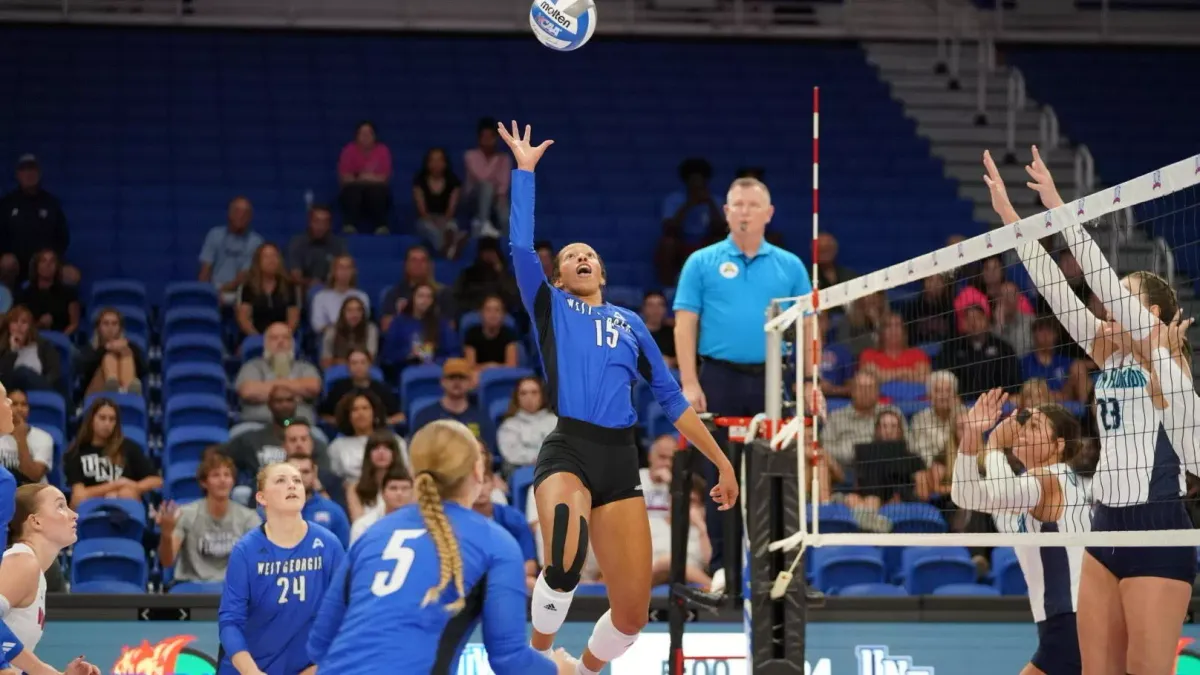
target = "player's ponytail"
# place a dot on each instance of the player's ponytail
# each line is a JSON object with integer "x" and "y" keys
{"x": 443, "y": 455}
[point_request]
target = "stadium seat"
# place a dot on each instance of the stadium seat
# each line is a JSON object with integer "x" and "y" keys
{"x": 834, "y": 567}
{"x": 419, "y": 382}
{"x": 47, "y": 410}
{"x": 902, "y": 391}
{"x": 597, "y": 590}
{"x": 109, "y": 559}
{"x": 188, "y": 443}
{"x": 194, "y": 378}
{"x": 179, "y": 482}
{"x": 136, "y": 434}
{"x": 1007, "y": 576}
{"x": 497, "y": 384}
{"x": 191, "y": 321}
{"x": 339, "y": 372}
{"x": 966, "y": 589}
{"x": 57, "y": 476}
{"x": 107, "y": 588}
{"x": 498, "y": 410}
{"x": 519, "y": 482}
{"x": 925, "y": 568}
{"x": 198, "y": 587}
{"x": 914, "y": 518}
{"x": 629, "y": 297}
{"x": 420, "y": 404}
{"x": 111, "y": 518}
{"x": 66, "y": 356}
{"x": 133, "y": 317}
{"x": 131, "y": 407}
{"x": 193, "y": 348}
{"x": 196, "y": 410}
{"x": 835, "y": 518}
{"x": 182, "y": 294}
{"x": 118, "y": 292}
{"x": 872, "y": 591}
{"x": 657, "y": 423}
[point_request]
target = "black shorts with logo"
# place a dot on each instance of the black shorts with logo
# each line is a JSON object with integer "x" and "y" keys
{"x": 605, "y": 460}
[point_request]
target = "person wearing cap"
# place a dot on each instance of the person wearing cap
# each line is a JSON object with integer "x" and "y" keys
{"x": 979, "y": 359}
{"x": 33, "y": 221}
{"x": 454, "y": 404}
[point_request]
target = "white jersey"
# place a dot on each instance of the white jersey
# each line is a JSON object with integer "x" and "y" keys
{"x": 1052, "y": 572}
{"x": 27, "y": 622}
{"x": 1137, "y": 462}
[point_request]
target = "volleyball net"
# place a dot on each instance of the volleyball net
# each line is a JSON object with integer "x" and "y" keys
{"x": 903, "y": 354}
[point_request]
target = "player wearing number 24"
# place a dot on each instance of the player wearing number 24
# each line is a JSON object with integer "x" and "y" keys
{"x": 274, "y": 584}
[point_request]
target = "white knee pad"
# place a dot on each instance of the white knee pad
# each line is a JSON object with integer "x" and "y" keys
{"x": 607, "y": 643}
{"x": 549, "y": 607}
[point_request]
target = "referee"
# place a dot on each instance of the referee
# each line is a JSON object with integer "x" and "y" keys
{"x": 722, "y": 298}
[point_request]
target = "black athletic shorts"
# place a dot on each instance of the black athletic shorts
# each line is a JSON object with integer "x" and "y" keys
{"x": 1058, "y": 646}
{"x": 604, "y": 459}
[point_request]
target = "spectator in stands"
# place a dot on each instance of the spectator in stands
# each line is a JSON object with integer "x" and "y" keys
{"x": 1068, "y": 379}
{"x": 893, "y": 360}
{"x": 832, "y": 273}
{"x": 418, "y": 270}
{"x": 933, "y": 426}
{"x": 359, "y": 365}
{"x": 397, "y": 492}
{"x": 699, "y": 546}
{"x": 341, "y": 285}
{"x": 364, "y": 172}
{"x": 436, "y": 191}
{"x": 33, "y": 221}
{"x": 381, "y": 451}
{"x": 454, "y": 404}
{"x": 526, "y": 424}
{"x": 490, "y": 343}
{"x": 489, "y": 174}
{"x": 318, "y": 508}
{"x": 109, "y": 361}
{"x": 512, "y": 521}
{"x": 255, "y": 448}
{"x": 299, "y": 440}
{"x": 28, "y": 452}
{"x": 656, "y": 477}
{"x": 488, "y": 275}
{"x": 197, "y": 538}
{"x": 54, "y": 304}
{"x": 985, "y": 290}
{"x": 690, "y": 217}
{"x": 103, "y": 463}
{"x": 229, "y": 250}
{"x": 837, "y": 363}
{"x": 980, "y": 360}
{"x": 353, "y": 330}
{"x": 863, "y": 321}
{"x": 27, "y": 360}
{"x": 267, "y": 297}
{"x": 359, "y": 415}
{"x": 311, "y": 254}
{"x": 930, "y": 316}
{"x": 855, "y": 423}
{"x": 277, "y": 367}
{"x": 1009, "y": 323}
{"x": 545, "y": 253}
{"x": 662, "y": 328}
{"x": 864, "y": 501}
{"x": 419, "y": 334}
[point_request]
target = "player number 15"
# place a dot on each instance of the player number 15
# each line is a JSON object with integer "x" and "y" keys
{"x": 606, "y": 332}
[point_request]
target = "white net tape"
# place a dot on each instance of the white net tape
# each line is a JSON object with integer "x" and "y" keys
{"x": 1094, "y": 442}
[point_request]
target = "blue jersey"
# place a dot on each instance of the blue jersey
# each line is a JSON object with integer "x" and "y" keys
{"x": 597, "y": 351}
{"x": 374, "y": 615}
{"x": 270, "y": 597}
{"x": 10, "y": 646}
{"x": 329, "y": 515}
{"x": 1055, "y": 374}
{"x": 8, "y": 500}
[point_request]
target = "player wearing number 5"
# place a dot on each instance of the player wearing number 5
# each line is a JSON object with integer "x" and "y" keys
{"x": 587, "y": 476}
{"x": 276, "y": 578}
{"x": 417, "y": 583}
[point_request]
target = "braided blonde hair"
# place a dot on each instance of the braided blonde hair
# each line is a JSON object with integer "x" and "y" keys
{"x": 444, "y": 454}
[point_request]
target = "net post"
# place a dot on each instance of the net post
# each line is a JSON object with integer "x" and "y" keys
{"x": 681, "y": 480}
{"x": 773, "y": 377}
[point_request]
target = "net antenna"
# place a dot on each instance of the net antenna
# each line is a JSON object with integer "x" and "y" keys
{"x": 1166, "y": 193}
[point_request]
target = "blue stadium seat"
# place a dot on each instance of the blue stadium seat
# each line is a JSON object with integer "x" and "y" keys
{"x": 187, "y": 444}
{"x": 107, "y": 588}
{"x": 835, "y": 567}
{"x": 629, "y": 297}
{"x": 194, "y": 378}
{"x": 419, "y": 382}
{"x": 117, "y": 518}
{"x": 519, "y": 482}
{"x": 1007, "y": 576}
{"x": 132, "y": 317}
{"x": 198, "y": 587}
{"x": 902, "y": 391}
{"x": 196, "y": 410}
{"x": 132, "y": 407}
{"x": 598, "y": 590}
{"x": 421, "y": 403}
{"x": 498, "y": 410}
{"x": 118, "y": 292}
{"x": 872, "y": 591}
{"x": 657, "y": 423}
{"x": 835, "y": 518}
{"x": 181, "y": 294}
{"x": 179, "y": 482}
{"x": 914, "y": 518}
{"x": 47, "y": 410}
{"x": 966, "y": 589}
{"x": 497, "y": 384}
{"x": 193, "y": 348}
{"x": 191, "y": 321}
{"x": 57, "y": 476}
{"x": 339, "y": 372}
{"x": 136, "y": 434}
{"x": 109, "y": 559}
{"x": 925, "y": 568}
{"x": 66, "y": 356}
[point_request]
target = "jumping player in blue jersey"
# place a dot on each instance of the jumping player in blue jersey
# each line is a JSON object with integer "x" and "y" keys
{"x": 414, "y": 587}
{"x": 587, "y": 482}
{"x": 276, "y": 578}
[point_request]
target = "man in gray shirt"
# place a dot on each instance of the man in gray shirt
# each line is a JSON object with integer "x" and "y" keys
{"x": 198, "y": 538}
{"x": 255, "y": 449}
{"x": 311, "y": 254}
{"x": 277, "y": 367}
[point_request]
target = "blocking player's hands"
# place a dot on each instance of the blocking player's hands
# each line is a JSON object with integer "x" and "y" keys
{"x": 567, "y": 664}
{"x": 1042, "y": 182}
{"x": 524, "y": 152}
{"x": 81, "y": 667}
{"x": 981, "y": 417}
{"x": 726, "y": 491}
{"x": 1001, "y": 204}
{"x": 1174, "y": 336}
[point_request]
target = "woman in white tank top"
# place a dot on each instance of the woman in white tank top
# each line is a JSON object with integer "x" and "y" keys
{"x": 41, "y": 528}
{"x": 1132, "y": 601}
{"x": 1048, "y": 497}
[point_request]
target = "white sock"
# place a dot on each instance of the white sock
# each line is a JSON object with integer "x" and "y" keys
{"x": 549, "y": 607}
{"x": 584, "y": 670}
{"x": 544, "y": 652}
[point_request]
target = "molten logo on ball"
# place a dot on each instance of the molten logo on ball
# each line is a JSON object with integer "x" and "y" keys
{"x": 563, "y": 25}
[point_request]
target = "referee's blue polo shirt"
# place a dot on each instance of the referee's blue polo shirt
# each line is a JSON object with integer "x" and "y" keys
{"x": 730, "y": 292}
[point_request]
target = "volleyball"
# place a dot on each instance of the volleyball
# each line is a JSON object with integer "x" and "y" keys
{"x": 563, "y": 25}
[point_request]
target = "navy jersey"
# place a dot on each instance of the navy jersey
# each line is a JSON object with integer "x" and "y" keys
{"x": 373, "y": 614}
{"x": 597, "y": 351}
{"x": 270, "y": 597}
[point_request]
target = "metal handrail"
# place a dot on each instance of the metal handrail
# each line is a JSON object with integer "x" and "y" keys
{"x": 1048, "y": 130}
{"x": 1162, "y": 251}
{"x": 1016, "y": 104}
{"x": 986, "y": 53}
{"x": 1085, "y": 172}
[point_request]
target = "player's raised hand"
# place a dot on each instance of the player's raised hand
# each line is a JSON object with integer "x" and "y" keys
{"x": 981, "y": 417}
{"x": 1042, "y": 182}
{"x": 1001, "y": 204}
{"x": 523, "y": 150}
